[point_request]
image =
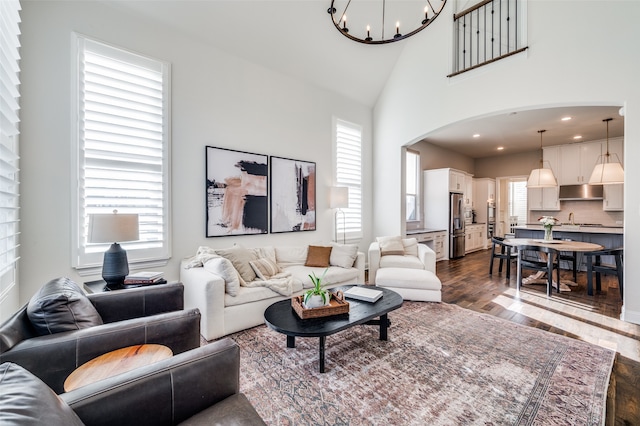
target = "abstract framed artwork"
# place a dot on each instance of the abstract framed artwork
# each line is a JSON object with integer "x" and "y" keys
{"x": 293, "y": 195}
{"x": 236, "y": 193}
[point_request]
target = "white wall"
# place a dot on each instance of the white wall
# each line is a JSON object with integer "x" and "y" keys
{"x": 568, "y": 62}
{"x": 217, "y": 100}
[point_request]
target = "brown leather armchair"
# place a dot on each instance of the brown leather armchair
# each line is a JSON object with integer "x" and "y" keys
{"x": 201, "y": 386}
{"x": 197, "y": 387}
{"x": 142, "y": 315}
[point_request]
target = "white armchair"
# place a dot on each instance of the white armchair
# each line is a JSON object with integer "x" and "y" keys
{"x": 426, "y": 259}
{"x": 412, "y": 274}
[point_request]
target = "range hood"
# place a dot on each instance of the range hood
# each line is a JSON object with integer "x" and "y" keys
{"x": 580, "y": 192}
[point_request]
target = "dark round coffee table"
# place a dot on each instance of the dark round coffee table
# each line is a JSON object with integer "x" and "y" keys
{"x": 282, "y": 318}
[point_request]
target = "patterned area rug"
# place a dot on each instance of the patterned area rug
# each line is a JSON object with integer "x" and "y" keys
{"x": 442, "y": 365}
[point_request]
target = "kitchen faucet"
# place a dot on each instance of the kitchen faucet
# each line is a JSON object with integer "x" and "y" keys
{"x": 571, "y": 218}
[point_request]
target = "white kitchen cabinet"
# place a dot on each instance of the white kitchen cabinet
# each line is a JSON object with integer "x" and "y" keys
{"x": 577, "y": 162}
{"x": 440, "y": 238}
{"x": 613, "y": 199}
{"x": 475, "y": 237}
{"x": 456, "y": 180}
{"x": 468, "y": 190}
{"x": 484, "y": 189}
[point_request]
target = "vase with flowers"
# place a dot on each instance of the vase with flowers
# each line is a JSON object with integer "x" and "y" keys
{"x": 548, "y": 222}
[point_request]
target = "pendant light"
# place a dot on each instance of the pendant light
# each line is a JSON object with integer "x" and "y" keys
{"x": 542, "y": 177}
{"x": 607, "y": 172}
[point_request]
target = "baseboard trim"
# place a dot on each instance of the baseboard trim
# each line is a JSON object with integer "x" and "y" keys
{"x": 630, "y": 316}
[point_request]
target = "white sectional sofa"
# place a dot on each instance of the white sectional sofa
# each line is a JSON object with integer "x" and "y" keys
{"x": 223, "y": 314}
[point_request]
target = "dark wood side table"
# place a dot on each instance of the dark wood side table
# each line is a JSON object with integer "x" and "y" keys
{"x": 99, "y": 286}
{"x": 114, "y": 363}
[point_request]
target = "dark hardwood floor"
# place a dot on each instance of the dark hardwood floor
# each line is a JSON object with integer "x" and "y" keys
{"x": 466, "y": 282}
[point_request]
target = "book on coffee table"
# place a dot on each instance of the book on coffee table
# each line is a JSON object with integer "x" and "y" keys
{"x": 365, "y": 294}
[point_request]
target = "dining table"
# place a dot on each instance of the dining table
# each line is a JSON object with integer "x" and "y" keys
{"x": 558, "y": 245}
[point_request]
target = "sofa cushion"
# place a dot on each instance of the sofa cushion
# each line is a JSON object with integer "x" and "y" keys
{"x": 390, "y": 246}
{"x": 286, "y": 256}
{"x": 343, "y": 255}
{"x": 224, "y": 269}
{"x": 334, "y": 275}
{"x": 395, "y": 261}
{"x": 410, "y": 246}
{"x": 60, "y": 305}
{"x": 408, "y": 278}
{"x": 318, "y": 256}
{"x": 255, "y": 294}
{"x": 25, "y": 400}
{"x": 240, "y": 257}
{"x": 264, "y": 268}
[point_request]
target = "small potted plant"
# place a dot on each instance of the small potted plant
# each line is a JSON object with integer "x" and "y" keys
{"x": 317, "y": 296}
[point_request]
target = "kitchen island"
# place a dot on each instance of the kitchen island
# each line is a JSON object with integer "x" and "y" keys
{"x": 607, "y": 236}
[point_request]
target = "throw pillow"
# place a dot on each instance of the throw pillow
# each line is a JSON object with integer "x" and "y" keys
{"x": 240, "y": 257}
{"x": 318, "y": 256}
{"x": 343, "y": 255}
{"x": 390, "y": 245}
{"x": 410, "y": 246}
{"x": 224, "y": 268}
{"x": 60, "y": 305}
{"x": 264, "y": 268}
{"x": 26, "y": 400}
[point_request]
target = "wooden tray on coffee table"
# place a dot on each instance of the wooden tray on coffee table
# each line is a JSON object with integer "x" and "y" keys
{"x": 337, "y": 305}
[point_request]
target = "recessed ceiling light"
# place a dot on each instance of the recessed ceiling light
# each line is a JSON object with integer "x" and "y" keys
{"x": 477, "y": 135}
{"x": 577, "y": 137}
{"x": 500, "y": 148}
{"x": 566, "y": 118}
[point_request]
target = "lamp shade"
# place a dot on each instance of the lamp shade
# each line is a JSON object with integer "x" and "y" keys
{"x": 541, "y": 178}
{"x": 339, "y": 197}
{"x": 607, "y": 174}
{"x": 113, "y": 227}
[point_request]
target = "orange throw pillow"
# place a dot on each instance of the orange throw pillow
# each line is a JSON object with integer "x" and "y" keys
{"x": 318, "y": 256}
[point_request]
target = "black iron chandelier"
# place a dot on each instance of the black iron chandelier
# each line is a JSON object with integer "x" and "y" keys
{"x": 367, "y": 20}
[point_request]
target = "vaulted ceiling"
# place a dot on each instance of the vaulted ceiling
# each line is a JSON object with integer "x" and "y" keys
{"x": 298, "y": 39}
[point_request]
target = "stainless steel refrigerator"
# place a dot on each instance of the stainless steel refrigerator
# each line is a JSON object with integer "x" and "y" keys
{"x": 456, "y": 225}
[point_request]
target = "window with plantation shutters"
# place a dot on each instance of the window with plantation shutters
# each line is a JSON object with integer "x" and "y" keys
{"x": 349, "y": 174}
{"x": 9, "y": 95}
{"x": 122, "y": 148}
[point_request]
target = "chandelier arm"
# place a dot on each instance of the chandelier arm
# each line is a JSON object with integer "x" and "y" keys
{"x": 344, "y": 12}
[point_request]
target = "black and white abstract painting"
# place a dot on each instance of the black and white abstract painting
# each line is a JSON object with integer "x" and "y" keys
{"x": 236, "y": 192}
{"x": 293, "y": 195}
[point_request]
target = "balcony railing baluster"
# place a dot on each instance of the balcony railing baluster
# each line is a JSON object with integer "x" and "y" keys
{"x": 476, "y": 38}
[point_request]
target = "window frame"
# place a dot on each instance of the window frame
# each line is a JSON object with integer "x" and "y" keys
{"x": 417, "y": 177}
{"x": 87, "y": 258}
{"x": 353, "y": 213}
{"x": 9, "y": 147}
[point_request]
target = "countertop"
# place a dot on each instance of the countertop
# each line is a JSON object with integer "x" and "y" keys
{"x": 423, "y": 231}
{"x": 590, "y": 229}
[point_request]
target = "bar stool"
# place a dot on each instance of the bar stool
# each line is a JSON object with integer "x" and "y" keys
{"x": 599, "y": 268}
{"x": 504, "y": 254}
{"x": 546, "y": 266}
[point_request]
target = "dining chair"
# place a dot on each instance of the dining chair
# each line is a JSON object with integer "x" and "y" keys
{"x": 599, "y": 268}
{"x": 552, "y": 262}
{"x": 503, "y": 252}
{"x": 570, "y": 256}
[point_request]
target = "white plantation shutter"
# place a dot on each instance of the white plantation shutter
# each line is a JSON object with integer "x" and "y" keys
{"x": 123, "y": 147}
{"x": 349, "y": 174}
{"x": 9, "y": 95}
